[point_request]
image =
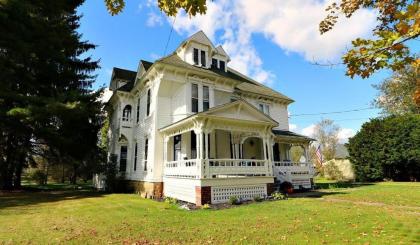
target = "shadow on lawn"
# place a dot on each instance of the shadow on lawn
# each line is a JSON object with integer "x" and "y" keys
{"x": 340, "y": 185}
{"x": 33, "y": 196}
{"x": 327, "y": 189}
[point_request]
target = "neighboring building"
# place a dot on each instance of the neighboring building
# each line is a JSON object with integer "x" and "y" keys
{"x": 342, "y": 162}
{"x": 187, "y": 126}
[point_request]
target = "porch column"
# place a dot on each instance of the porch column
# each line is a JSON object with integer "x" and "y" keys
{"x": 206, "y": 145}
{"x": 165, "y": 148}
{"x": 265, "y": 148}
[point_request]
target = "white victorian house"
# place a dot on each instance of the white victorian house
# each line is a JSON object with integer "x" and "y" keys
{"x": 187, "y": 126}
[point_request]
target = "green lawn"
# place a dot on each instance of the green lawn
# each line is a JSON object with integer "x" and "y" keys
{"x": 385, "y": 213}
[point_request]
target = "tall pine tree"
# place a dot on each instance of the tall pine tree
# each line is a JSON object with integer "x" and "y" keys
{"x": 47, "y": 107}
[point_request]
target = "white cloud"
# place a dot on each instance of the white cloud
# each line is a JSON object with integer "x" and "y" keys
{"x": 344, "y": 134}
{"x": 309, "y": 131}
{"x": 154, "y": 19}
{"x": 292, "y": 127}
{"x": 290, "y": 24}
{"x": 106, "y": 95}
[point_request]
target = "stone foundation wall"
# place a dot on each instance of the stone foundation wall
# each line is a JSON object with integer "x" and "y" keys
{"x": 145, "y": 189}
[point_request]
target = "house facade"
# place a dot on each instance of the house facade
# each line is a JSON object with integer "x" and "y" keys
{"x": 187, "y": 126}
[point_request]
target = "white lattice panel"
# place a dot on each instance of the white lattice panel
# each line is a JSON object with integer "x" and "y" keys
{"x": 222, "y": 194}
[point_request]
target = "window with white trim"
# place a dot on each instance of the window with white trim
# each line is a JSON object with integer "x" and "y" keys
{"x": 194, "y": 98}
{"x": 127, "y": 113}
{"x": 148, "y": 102}
{"x": 264, "y": 108}
{"x": 206, "y": 98}
{"x": 146, "y": 151}
{"x": 135, "y": 158}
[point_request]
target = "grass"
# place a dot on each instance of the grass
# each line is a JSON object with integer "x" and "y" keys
{"x": 378, "y": 213}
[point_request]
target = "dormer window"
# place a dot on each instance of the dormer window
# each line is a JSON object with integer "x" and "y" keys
{"x": 195, "y": 56}
{"x": 199, "y": 57}
{"x": 203, "y": 58}
{"x": 222, "y": 65}
{"x": 214, "y": 63}
{"x": 127, "y": 113}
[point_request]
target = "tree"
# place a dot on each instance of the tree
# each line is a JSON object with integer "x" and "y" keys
{"x": 326, "y": 134}
{"x": 387, "y": 148}
{"x": 397, "y": 92}
{"x": 398, "y": 22}
{"x": 169, "y": 7}
{"x": 47, "y": 107}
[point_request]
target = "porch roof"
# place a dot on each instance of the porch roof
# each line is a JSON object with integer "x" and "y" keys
{"x": 267, "y": 120}
{"x": 290, "y": 134}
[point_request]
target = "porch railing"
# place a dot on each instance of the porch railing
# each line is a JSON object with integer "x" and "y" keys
{"x": 216, "y": 168}
{"x": 237, "y": 167}
{"x": 182, "y": 169}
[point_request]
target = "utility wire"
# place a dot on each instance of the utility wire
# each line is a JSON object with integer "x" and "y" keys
{"x": 332, "y": 112}
{"x": 169, "y": 37}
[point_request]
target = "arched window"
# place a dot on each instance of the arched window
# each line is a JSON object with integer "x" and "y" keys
{"x": 127, "y": 113}
{"x": 148, "y": 103}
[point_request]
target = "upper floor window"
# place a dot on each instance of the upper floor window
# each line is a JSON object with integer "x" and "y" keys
{"x": 264, "y": 108}
{"x": 127, "y": 113}
{"x": 195, "y": 56}
{"x": 194, "y": 98}
{"x": 138, "y": 111}
{"x": 148, "y": 103}
{"x": 203, "y": 58}
{"x": 206, "y": 98}
{"x": 123, "y": 158}
{"x": 214, "y": 63}
{"x": 221, "y": 65}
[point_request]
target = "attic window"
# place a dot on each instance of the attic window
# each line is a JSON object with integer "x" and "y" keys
{"x": 203, "y": 58}
{"x": 195, "y": 56}
{"x": 214, "y": 63}
{"x": 221, "y": 65}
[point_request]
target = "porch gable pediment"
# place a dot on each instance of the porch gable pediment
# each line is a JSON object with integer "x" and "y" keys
{"x": 240, "y": 110}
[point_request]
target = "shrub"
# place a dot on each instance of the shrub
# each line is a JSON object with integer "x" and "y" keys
{"x": 279, "y": 196}
{"x": 110, "y": 171}
{"x": 332, "y": 172}
{"x": 258, "y": 199}
{"x": 233, "y": 200}
{"x": 387, "y": 148}
{"x": 206, "y": 206}
{"x": 39, "y": 177}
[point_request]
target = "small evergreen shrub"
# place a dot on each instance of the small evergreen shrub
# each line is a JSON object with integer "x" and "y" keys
{"x": 279, "y": 196}
{"x": 206, "y": 206}
{"x": 233, "y": 200}
{"x": 171, "y": 200}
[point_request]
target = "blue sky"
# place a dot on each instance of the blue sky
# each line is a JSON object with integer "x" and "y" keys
{"x": 278, "y": 50}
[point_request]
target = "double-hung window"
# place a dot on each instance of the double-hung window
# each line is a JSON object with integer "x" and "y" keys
{"x": 146, "y": 150}
{"x": 123, "y": 158}
{"x": 203, "y": 58}
{"x": 193, "y": 145}
{"x": 138, "y": 111}
{"x": 221, "y": 65}
{"x": 194, "y": 98}
{"x": 195, "y": 56}
{"x": 148, "y": 102}
{"x": 214, "y": 63}
{"x": 206, "y": 98}
{"x": 135, "y": 158}
{"x": 177, "y": 147}
{"x": 264, "y": 108}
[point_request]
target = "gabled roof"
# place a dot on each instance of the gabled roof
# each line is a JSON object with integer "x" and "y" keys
{"x": 287, "y": 133}
{"x": 263, "y": 90}
{"x": 214, "y": 111}
{"x": 123, "y": 74}
{"x": 221, "y": 51}
{"x": 199, "y": 37}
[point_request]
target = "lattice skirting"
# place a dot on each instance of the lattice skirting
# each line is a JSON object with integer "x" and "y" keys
{"x": 222, "y": 194}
